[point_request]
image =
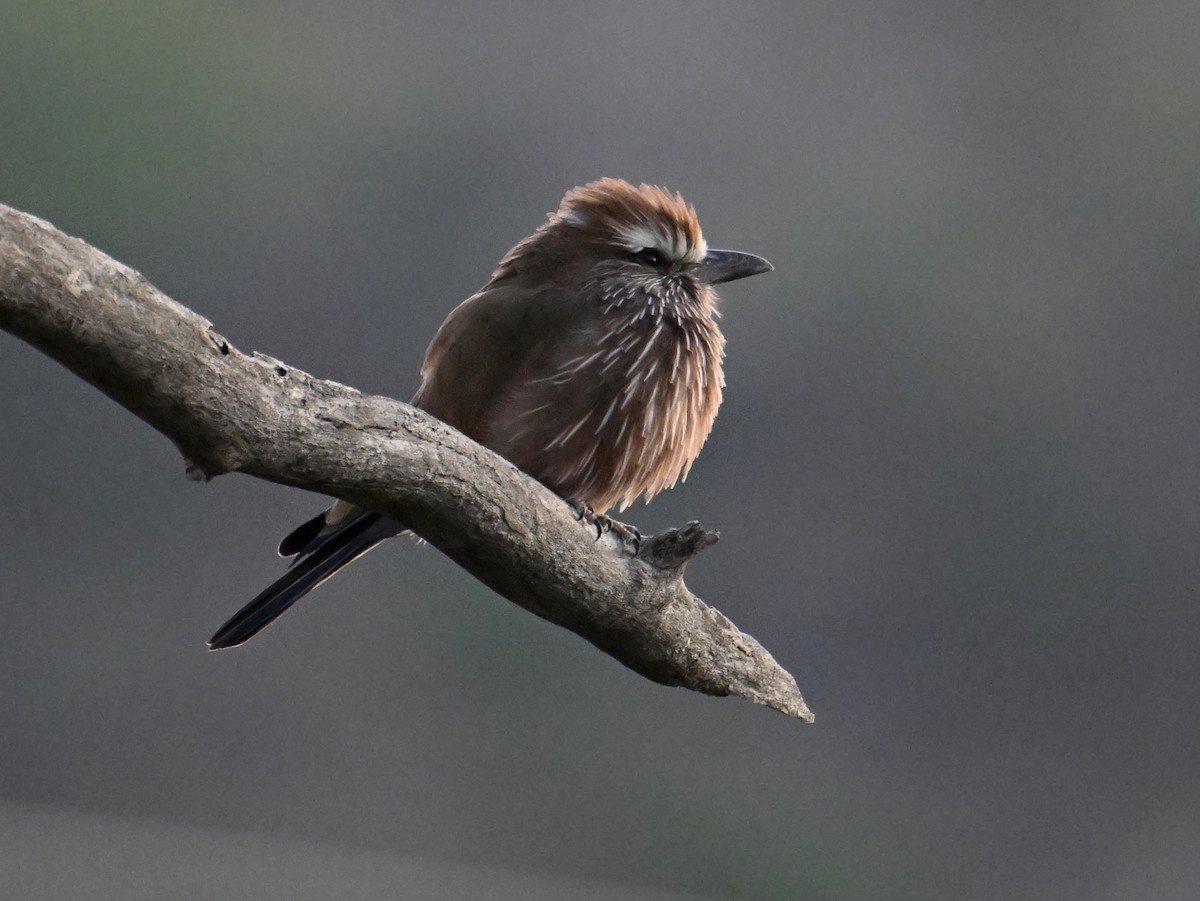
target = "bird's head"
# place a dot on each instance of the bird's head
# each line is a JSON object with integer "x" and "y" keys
{"x": 623, "y": 243}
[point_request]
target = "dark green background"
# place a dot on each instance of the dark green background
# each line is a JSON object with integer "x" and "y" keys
{"x": 956, "y": 473}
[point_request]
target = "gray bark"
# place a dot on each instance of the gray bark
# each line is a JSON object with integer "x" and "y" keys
{"x": 228, "y": 411}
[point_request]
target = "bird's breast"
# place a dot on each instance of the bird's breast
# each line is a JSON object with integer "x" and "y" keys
{"x": 619, "y": 409}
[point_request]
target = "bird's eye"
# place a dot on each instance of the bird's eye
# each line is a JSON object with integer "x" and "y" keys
{"x": 650, "y": 256}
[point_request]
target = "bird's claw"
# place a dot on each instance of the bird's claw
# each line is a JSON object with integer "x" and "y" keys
{"x": 584, "y": 513}
{"x": 628, "y": 535}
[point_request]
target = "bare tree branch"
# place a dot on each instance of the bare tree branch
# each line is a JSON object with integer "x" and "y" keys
{"x": 231, "y": 412}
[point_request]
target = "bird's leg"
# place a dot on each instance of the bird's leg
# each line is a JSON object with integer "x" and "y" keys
{"x": 628, "y": 535}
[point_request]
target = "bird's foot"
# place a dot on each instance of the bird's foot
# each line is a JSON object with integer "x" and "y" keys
{"x": 628, "y": 535}
{"x": 585, "y": 514}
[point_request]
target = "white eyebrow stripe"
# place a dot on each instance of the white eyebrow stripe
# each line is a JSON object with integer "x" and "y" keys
{"x": 675, "y": 244}
{"x": 643, "y": 235}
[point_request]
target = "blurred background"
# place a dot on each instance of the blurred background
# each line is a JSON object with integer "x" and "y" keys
{"x": 957, "y": 473}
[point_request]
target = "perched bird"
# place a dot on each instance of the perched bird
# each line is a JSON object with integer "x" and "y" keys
{"x": 591, "y": 360}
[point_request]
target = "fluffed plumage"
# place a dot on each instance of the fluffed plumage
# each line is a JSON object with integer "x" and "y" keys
{"x": 591, "y": 360}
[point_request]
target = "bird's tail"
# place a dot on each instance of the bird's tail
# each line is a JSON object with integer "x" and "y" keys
{"x": 320, "y": 558}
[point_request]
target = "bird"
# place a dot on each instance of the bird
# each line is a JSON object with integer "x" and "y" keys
{"x": 591, "y": 359}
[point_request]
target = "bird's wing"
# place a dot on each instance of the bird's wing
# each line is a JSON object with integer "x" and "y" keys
{"x": 482, "y": 351}
{"x": 475, "y": 358}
